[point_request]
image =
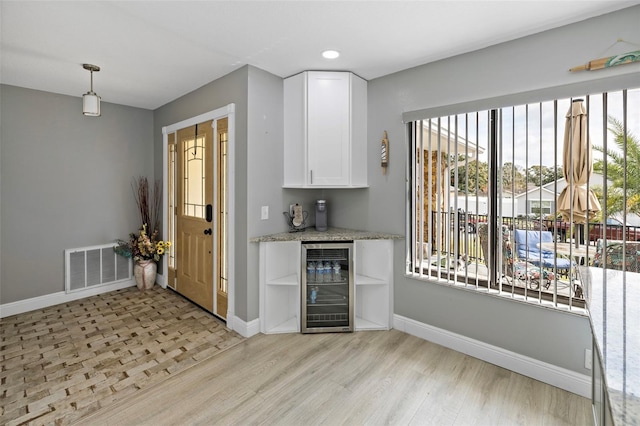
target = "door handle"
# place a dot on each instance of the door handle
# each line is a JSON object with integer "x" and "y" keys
{"x": 209, "y": 213}
{"x": 207, "y": 231}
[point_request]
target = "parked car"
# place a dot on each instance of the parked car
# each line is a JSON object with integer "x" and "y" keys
{"x": 615, "y": 231}
{"x": 473, "y": 220}
{"x": 558, "y": 226}
{"x": 562, "y": 229}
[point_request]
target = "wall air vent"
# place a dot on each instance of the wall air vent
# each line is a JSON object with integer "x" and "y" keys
{"x": 94, "y": 266}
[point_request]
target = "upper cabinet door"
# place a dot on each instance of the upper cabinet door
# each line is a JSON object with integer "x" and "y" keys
{"x": 325, "y": 130}
{"x": 328, "y": 129}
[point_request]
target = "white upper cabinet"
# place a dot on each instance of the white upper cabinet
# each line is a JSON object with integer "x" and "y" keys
{"x": 325, "y": 130}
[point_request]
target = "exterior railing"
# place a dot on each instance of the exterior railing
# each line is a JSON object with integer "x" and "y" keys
{"x": 454, "y": 243}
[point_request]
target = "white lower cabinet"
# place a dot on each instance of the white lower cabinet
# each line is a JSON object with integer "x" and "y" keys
{"x": 280, "y": 284}
{"x": 374, "y": 273}
{"x": 280, "y": 287}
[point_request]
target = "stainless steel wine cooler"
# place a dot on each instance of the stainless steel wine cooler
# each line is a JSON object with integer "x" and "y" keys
{"x": 327, "y": 287}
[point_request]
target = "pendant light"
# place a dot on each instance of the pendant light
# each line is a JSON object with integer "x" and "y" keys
{"x": 90, "y": 100}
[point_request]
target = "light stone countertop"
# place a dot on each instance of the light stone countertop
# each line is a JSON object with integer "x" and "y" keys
{"x": 614, "y": 311}
{"x": 332, "y": 234}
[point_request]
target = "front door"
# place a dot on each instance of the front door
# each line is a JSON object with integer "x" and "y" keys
{"x": 194, "y": 215}
{"x": 198, "y": 213}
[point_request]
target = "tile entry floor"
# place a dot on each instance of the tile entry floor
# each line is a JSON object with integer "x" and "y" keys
{"x": 63, "y": 362}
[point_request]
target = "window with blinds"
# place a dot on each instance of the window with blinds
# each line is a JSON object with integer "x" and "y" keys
{"x": 529, "y": 201}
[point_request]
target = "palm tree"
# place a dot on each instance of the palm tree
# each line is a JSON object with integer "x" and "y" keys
{"x": 623, "y": 170}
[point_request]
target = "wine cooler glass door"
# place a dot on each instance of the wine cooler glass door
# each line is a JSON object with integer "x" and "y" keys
{"x": 327, "y": 294}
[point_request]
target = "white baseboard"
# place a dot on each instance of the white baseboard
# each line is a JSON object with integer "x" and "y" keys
{"x": 243, "y": 328}
{"x": 161, "y": 281}
{"x": 562, "y": 378}
{"x": 47, "y": 300}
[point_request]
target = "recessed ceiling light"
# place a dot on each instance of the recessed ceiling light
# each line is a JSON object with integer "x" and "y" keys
{"x": 330, "y": 54}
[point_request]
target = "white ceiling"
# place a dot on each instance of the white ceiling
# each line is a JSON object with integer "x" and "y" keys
{"x": 152, "y": 52}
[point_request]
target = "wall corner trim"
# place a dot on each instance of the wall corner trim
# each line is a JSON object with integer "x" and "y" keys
{"x": 243, "y": 328}
{"x": 562, "y": 378}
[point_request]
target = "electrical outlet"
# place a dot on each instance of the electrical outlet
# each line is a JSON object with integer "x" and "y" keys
{"x": 265, "y": 213}
{"x": 587, "y": 359}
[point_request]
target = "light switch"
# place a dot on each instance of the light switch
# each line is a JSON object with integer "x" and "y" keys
{"x": 265, "y": 213}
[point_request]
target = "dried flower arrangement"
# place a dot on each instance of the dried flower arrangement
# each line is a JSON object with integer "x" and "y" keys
{"x": 145, "y": 245}
{"x": 142, "y": 246}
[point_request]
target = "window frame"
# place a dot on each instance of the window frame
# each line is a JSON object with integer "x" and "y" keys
{"x": 451, "y": 278}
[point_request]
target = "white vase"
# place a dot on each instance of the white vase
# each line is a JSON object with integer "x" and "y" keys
{"x": 144, "y": 272}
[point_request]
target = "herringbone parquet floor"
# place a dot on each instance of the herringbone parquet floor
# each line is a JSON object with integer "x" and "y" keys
{"x": 61, "y": 363}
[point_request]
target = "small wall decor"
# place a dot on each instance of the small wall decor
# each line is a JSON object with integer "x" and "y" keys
{"x": 384, "y": 153}
{"x": 610, "y": 61}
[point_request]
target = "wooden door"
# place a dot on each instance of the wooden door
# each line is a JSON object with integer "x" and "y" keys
{"x": 194, "y": 233}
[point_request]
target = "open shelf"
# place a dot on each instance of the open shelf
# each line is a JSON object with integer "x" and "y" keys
{"x": 280, "y": 287}
{"x": 367, "y": 280}
{"x": 374, "y": 274}
{"x": 281, "y": 309}
{"x": 291, "y": 279}
{"x": 363, "y": 324}
{"x": 285, "y": 327}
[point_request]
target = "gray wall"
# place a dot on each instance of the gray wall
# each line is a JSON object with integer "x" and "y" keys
{"x": 515, "y": 72}
{"x": 265, "y": 173}
{"x": 232, "y": 88}
{"x": 65, "y": 183}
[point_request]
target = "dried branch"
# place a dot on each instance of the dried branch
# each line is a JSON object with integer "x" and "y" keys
{"x": 148, "y": 202}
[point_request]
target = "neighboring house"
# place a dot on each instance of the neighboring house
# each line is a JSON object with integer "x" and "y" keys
{"x": 536, "y": 201}
{"x": 480, "y": 205}
{"x": 542, "y": 200}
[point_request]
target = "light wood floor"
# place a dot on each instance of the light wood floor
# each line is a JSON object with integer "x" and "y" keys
{"x": 352, "y": 379}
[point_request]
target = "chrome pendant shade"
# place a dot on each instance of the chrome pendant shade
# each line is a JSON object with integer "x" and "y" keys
{"x": 90, "y": 100}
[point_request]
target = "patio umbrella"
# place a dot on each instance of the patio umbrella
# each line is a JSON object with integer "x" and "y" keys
{"x": 575, "y": 202}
